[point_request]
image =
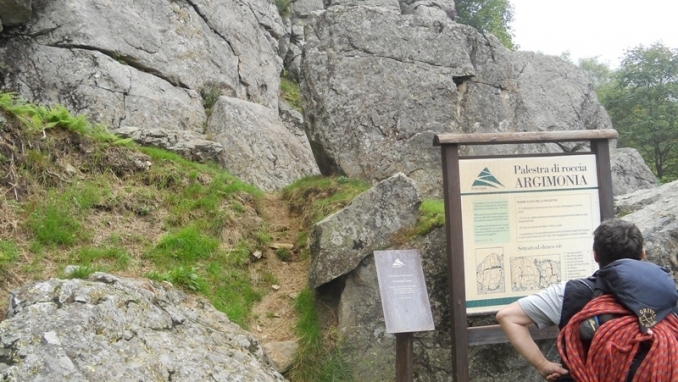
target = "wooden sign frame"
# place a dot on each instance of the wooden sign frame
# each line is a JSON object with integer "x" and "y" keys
{"x": 462, "y": 335}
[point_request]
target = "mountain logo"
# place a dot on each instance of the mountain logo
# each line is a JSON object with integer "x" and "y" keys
{"x": 398, "y": 264}
{"x": 486, "y": 179}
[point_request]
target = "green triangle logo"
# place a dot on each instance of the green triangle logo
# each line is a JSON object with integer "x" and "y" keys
{"x": 486, "y": 179}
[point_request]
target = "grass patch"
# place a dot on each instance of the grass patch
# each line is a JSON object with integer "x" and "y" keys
{"x": 315, "y": 360}
{"x": 283, "y": 7}
{"x": 314, "y": 198}
{"x": 290, "y": 92}
{"x": 185, "y": 277}
{"x": 268, "y": 277}
{"x": 36, "y": 118}
{"x": 80, "y": 272}
{"x": 431, "y": 216}
{"x": 283, "y": 254}
{"x": 186, "y": 246}
{"x": 103, "y": 259}
{"x": 231, "y": 291}
{"x": 210, "y": 95}
{"x": 8, "y": 254}
{"x": 52, "y": 224}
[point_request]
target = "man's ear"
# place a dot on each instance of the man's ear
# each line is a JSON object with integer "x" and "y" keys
{"x": 595, "y": 257}
{"x": 643, "y": 255}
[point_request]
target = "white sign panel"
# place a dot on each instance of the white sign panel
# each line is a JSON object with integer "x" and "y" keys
{"x": 528, "y": 223}
{"x": 402, "y": 288}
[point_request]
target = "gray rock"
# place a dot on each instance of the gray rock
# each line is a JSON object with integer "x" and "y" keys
{"x": 340, "y": 241}
{"x": 655, "y": 212}
{"x": 108, "y": 328}
{"x": 378, "y": 86}
{"x": 190, "y": 145}
{"x": 281, "y": 353}
{"x": 300, "y": 12}
{"x": 371, "y": 349}
{"x": 366, "y": 343}
{"x": 14, "y": 12}
{"x": 390, "y": 5}
{"x": 162, "y": 50}
{"x": 629, "y": 172}
{"x": 303, "y": 8}
{"x": 257, "y": 147}
{"x": 294, "y": 53}
{"x": 634, "y": 201}
{"x": 93, "y": 83}
{"x": 294, "y": 122}
{"x": 434, "y": 9}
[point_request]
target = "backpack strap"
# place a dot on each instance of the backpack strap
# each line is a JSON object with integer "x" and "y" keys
{"x": 577, "y": 294}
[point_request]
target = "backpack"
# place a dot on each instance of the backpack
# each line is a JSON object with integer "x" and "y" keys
{"x": 629, "y": 332}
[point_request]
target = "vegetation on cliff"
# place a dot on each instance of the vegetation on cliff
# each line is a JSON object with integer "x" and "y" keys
{"x": 77, "y": 199}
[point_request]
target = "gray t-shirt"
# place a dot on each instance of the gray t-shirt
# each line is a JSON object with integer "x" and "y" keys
{"x": 545, "y": 307}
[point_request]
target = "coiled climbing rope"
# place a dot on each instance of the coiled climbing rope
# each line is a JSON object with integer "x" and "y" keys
{"x": 616, "y": 342}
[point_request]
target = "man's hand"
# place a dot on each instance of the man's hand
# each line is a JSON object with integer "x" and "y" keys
{"x": 551, "y": 370}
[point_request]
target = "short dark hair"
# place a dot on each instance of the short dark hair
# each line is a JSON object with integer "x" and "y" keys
{"x": 616, "y": 239}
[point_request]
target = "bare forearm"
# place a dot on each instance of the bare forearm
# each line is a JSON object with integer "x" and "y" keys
{"x": 520, "y": 338}
{"x": 514, "y": 321}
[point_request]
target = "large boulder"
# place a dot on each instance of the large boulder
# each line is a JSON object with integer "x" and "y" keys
{"x": 258, "y": 148}
{"x": 113, "y": 329}
{"x": 630, "y": 172}
{"x": 379, "y": 85}
{"x": 340, "y": 241}
{"x": 655, "y": 211}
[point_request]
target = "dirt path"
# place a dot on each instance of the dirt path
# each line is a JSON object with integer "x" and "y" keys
{"x": 273, "y": 318}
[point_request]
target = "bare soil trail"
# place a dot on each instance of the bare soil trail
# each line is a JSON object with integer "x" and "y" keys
{"x": 273, "y": 318}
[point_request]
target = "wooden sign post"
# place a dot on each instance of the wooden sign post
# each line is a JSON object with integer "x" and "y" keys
{"x": 405, "y": 302}
{"x": 523, "y": 222}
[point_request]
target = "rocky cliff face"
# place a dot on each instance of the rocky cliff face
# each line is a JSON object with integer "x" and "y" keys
{"x": 379, "y": 85}
{"x": 162, "y": 65}
{"x": 379, "y": 79}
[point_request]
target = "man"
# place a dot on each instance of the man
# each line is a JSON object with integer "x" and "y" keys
{"x": 615, "y": 241}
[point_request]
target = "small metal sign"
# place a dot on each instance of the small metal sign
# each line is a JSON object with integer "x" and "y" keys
{"x": 403, "y": 291}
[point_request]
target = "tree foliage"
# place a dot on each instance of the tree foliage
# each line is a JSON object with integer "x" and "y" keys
{"x": 488, "y": 16}
{"x": 598, "y": 72}
{"x": 643, "y": 104}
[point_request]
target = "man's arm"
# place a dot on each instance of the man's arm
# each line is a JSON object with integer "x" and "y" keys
{"x": 514, "y": 321}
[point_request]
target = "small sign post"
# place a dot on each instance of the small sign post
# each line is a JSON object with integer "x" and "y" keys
{"x": 405, "y": 302}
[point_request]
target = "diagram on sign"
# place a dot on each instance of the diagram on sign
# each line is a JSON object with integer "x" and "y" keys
{"x": 534, "y": 272}
{"x": 490, "y": 270}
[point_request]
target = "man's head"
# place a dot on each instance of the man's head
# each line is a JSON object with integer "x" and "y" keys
{"x": 616, "y": 239}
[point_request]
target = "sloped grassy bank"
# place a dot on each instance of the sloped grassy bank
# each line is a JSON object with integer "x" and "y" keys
{"x": 73, "y": 194}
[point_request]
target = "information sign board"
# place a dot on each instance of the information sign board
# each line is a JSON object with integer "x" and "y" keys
{"x": 403, "y": 291}
{"x": 527, "y": 224}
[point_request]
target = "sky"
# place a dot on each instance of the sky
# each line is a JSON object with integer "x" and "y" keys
{"x": 589, "y": 28}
